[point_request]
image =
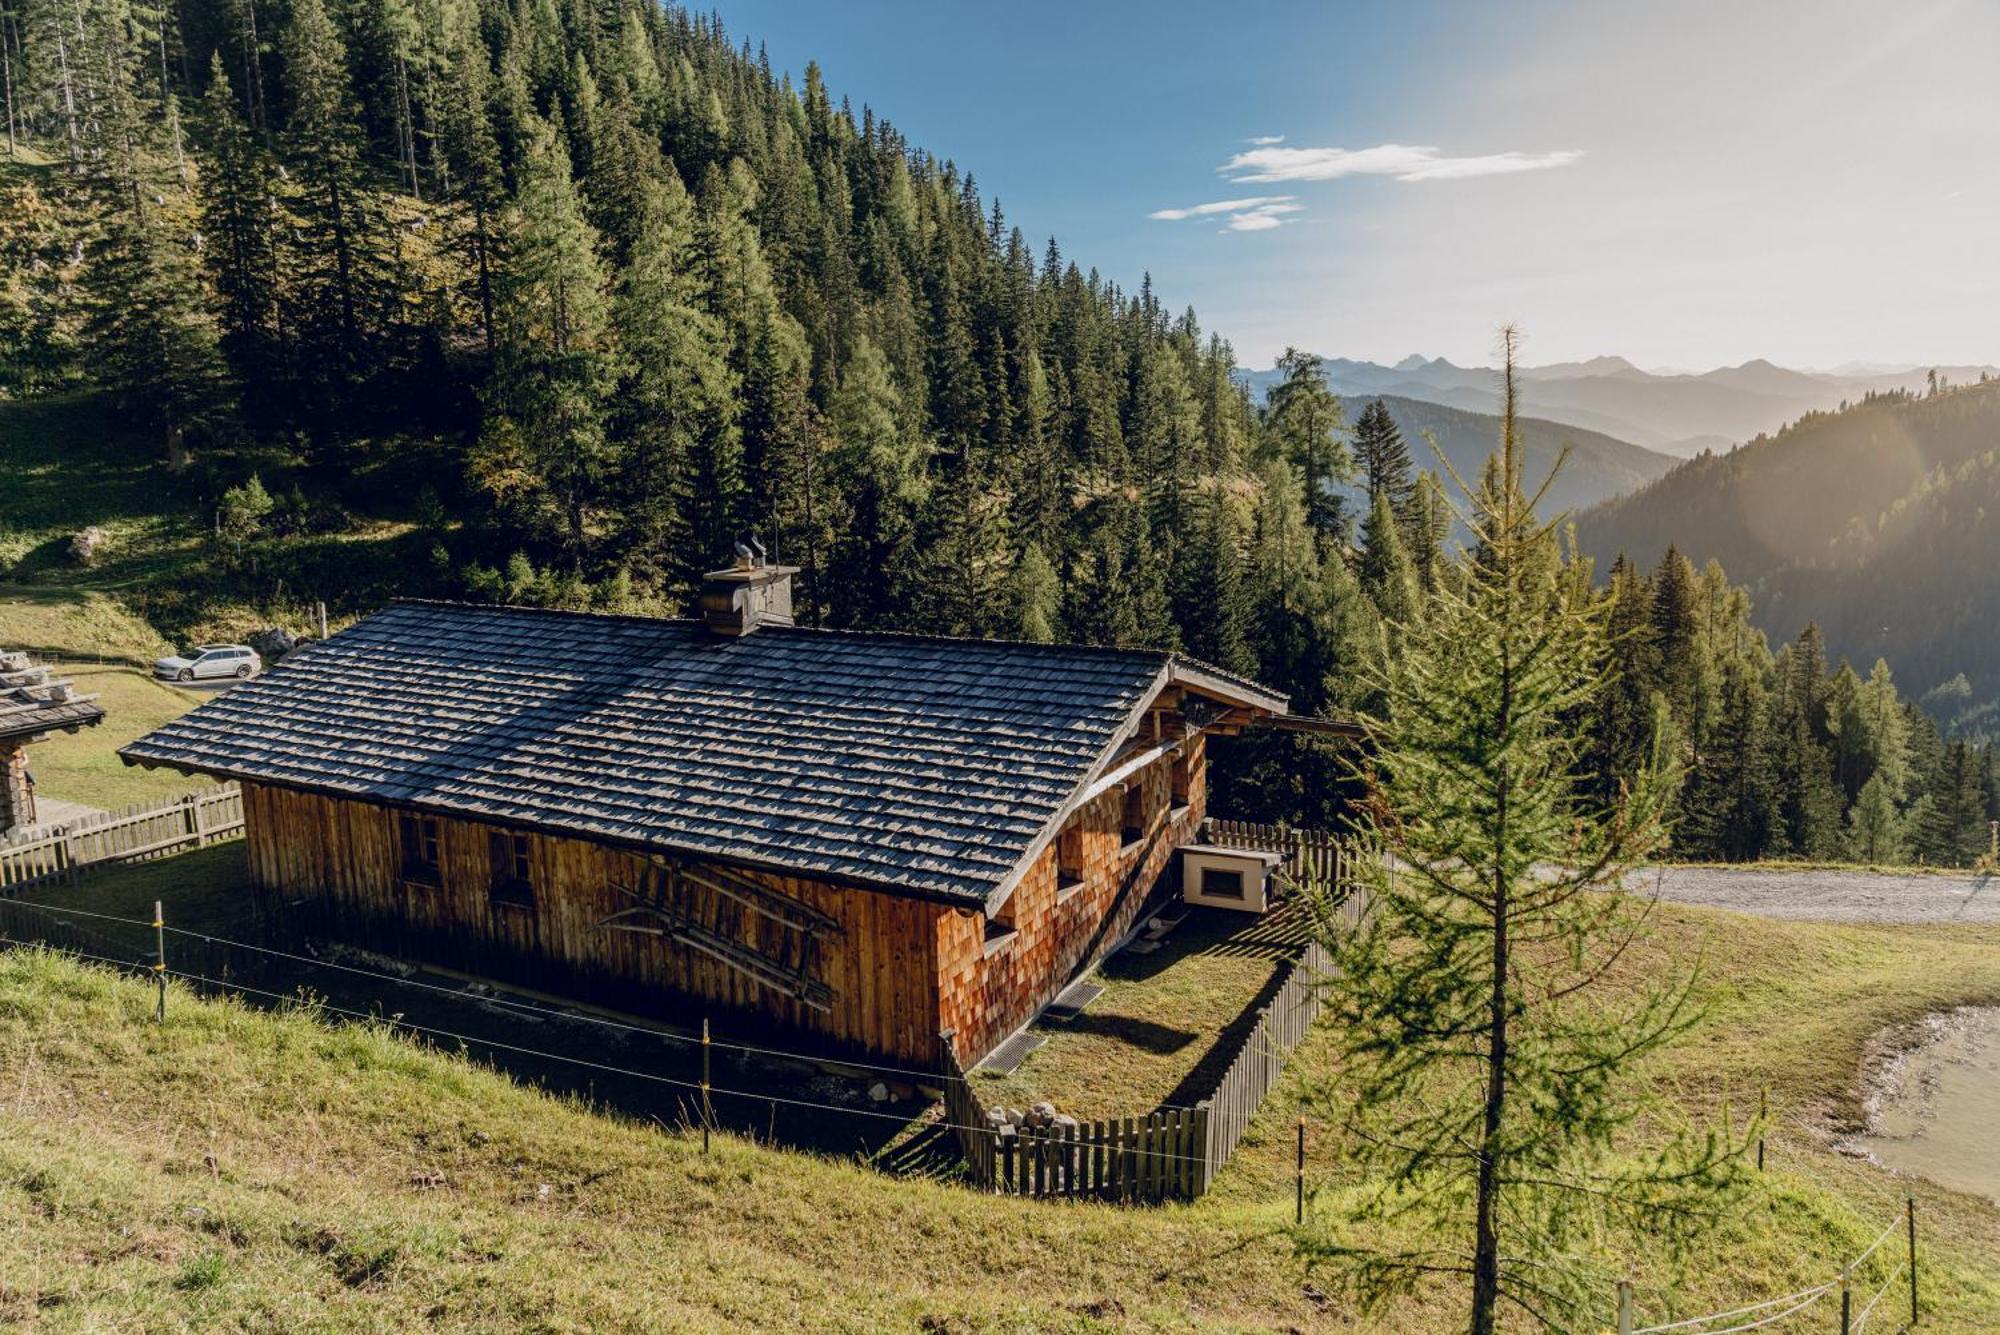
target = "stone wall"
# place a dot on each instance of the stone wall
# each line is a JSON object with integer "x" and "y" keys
{"x": 17, "y": 799}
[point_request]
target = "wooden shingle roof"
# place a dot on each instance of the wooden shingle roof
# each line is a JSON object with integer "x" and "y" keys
{"x": 923, "y": 765}
{"x": 34, "y": 702}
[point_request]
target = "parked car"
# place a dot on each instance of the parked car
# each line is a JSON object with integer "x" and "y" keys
{"x": 210, "y": 660}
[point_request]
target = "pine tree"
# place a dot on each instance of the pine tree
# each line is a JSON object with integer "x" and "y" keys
{"x": 1874, "y": 826}
{"x": 337, "y": 284}
{"x": 477, "y": 184}
{"x": 150, "y": 334}
{"x": 1384, "y": 567}
{"x": 240, "y": 218}
{"x": 678, "y": 402}
{"x": 1037, "y": 596}
{"x": 1486, "y": 1104}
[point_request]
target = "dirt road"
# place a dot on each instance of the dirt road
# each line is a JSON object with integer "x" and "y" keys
{"x": 1829, "y": 896}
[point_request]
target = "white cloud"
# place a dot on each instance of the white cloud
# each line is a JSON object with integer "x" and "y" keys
{"x": 1253, "y": 222}
{"x": 1265, "y": 140}
{"x": 1405, "y": 162}
{"x": 1220, "y": 206}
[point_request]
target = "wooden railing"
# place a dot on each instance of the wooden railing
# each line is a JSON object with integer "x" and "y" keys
{"x": 138, "y": 833}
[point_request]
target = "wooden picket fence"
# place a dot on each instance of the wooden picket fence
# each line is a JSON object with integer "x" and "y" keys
{"x": 62, "y": 853}
{"x": 1281, "y": 1028}
{"x": 1312, "y": 857}
{"x": 1173, "y": 1153}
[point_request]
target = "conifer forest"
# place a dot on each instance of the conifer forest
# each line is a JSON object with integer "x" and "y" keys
{"x": 583, "y": 291}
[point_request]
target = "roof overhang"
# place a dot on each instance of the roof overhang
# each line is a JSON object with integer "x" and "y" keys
{"x": 643, "y": 847}
{"x": 1220, "y": 686}
{"x": 69, "y": 716}
{"x": 1115, "y": 766}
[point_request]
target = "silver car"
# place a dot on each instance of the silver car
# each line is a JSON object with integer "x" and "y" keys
{"x": 209, "y": 661}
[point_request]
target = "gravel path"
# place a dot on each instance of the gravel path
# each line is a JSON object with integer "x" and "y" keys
{"x": 1829, "y": 896}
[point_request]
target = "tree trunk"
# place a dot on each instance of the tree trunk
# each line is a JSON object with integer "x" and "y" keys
{"x": 1486, "y": 1241}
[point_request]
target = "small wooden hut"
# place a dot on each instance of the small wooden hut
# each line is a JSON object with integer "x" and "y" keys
{"x": 33, "y": 704}
{"x": 864, "y": 839}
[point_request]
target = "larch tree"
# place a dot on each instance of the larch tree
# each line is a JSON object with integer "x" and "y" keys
{"x": 1486, "y": 1055}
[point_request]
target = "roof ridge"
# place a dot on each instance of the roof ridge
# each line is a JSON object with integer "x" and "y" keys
{"x": 1135, "y": 652}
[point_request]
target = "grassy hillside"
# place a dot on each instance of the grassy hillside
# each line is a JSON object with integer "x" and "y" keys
{"x": 103, "y": 648}
{"x": 159, "y": 576}
{"x": 241, "y": 1169}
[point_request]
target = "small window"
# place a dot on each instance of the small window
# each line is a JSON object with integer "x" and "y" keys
{"x": 1222, "y": 882}
{"x": 1135, "y": 811}
{"x": 512, "y": 868}
{"x": 1000, "y": 929}
{"x": 422, "y": 847}
{"x": 1069, "y": 860}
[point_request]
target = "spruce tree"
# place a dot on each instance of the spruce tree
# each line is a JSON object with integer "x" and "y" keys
{"x": 337, "y": 283}
{"x": 1384, "y": 567}
{"x": 240, "y": 218}
{"x": 1874, "y": 826}
{"x": 556, "y": 363}
{"x": 678, "y": 401}
{"x": 1304, "y": 421}
{"x": 1384, "y": 459}
{"x": 1485, "y": 1098}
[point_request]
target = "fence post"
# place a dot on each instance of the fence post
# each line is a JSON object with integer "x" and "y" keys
{"x": 160, "y": 961}
{"x": 1299, "y": 1211}
{"x": 1846, "y": 1300}
{"x": 1624, "y": 1307}
{"x": 1910, "y": 1212}
{"x": 707, "y": 1108}
{"x": 1763, "y": 1106}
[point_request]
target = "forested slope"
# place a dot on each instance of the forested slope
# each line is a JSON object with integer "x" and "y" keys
{"x": 550, "y": 303}
{"x": 1876, "y": 521}
{"x": 1598, "y": 467}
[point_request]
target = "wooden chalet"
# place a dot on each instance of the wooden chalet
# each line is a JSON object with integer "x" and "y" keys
{"x": 33, "y": 704}
{"x": 867, "y": 839}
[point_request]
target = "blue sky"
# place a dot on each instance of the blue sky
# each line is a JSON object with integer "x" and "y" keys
{"x": 1689, "y": 185}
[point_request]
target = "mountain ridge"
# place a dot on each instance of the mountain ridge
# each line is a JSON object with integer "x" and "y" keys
{"x": 1676, "y": 413}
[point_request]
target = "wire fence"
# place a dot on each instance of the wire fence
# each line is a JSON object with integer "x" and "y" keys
{"x": 1840, "y": 1290}
{"x": 84, "y": 942}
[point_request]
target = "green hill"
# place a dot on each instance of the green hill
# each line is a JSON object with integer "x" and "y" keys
{"x": 241, "y": 1169}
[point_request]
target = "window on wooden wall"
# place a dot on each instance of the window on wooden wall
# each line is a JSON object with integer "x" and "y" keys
{"x": 513, "y": 869}
{"x": 422, "y": 847}
{"x": 1183, "y": 778}
{"x": 1000, "y": 928}
{"x": 1135, "y": 810}
{"x": 1069, "y": 859}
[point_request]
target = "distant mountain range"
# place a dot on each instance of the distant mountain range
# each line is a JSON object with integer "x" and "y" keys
{"x": 1881, "y": 522}
{"x": 1599, "y": 466}
{"x": 1676, "y": 413}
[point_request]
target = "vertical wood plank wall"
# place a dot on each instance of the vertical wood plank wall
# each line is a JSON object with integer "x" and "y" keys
{"x": 335, "y": 866}
{"x": 983, "y": 998}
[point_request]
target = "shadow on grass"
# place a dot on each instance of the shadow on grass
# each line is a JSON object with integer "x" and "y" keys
{"x": 1201, "y": 1082}
{"x": 1146, "y": 1035}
